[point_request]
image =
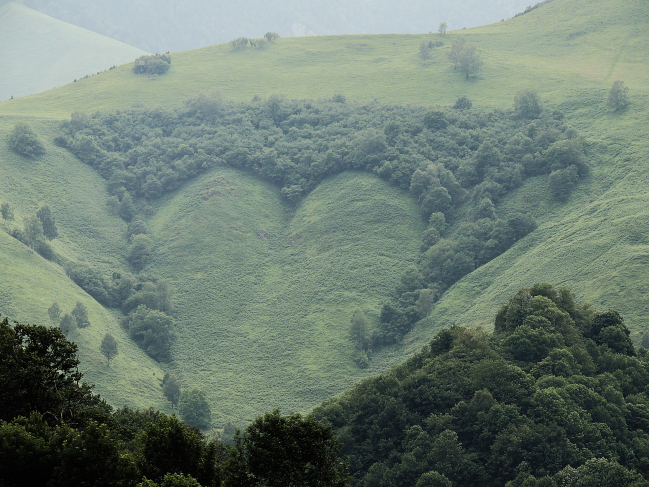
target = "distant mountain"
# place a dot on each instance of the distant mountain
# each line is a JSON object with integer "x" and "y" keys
{"x": 159, "y": 26}
{"x": 38, "y": 52}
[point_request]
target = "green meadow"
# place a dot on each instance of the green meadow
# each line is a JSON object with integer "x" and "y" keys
{"x": 264, "y": 291}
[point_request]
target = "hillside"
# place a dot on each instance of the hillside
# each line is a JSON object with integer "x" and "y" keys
{"x": 39, "y": 53}
{"x": 570, "y": 51}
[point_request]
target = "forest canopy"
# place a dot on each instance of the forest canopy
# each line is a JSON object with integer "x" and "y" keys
{"x": 557, "y": 395}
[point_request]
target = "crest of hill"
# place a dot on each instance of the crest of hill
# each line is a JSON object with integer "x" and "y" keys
{"x": 39, "y": 53}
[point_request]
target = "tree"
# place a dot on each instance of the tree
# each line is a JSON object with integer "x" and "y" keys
{"x": 527, "y": 104}
{"x": 126, "y": 208}
{"x": 54, "y": 312}
{"x": 33, "y": 230}
{"x": 442, "y": 28}
{"x": 67, "y": 324}
{"x": 359, "y": 328}
{"x": 433, "y": 479}
{"x": 40, "y": 373}
{"x": 167, "y": 446}
{"x": 194, "y": 408}
{"x": 283, "y": 451}
{"x": 44, "y": 214}
{"x": 80, "y": 313}
{"x": 171, "y": 389}
{"x": 151, "y": 330}
{"x": 6, "y": 211}
{"x": 425, "y": 302}
{"x": 463, "y": 103}
{"x": 139, "y": 252}
{"x": 618, "y": 96}
{"x": 271, "y": 36}
{"x": 469, "y": 60}
{"x": 24, "y": 140}
{"x": 109, "y": 348}
{"x": 457, "y": 45}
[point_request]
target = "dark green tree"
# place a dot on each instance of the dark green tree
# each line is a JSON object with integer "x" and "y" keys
{"x": 24, "y": 140}
{"x": 618, "y": 96}
{"x": 109, "y": 348}
{"x": 46, "y": 217}
{"x": 80, "y": 313}
{"x": 463, "y": 103}
{"x": 527, "y": 104}
{"x": 126, "y": 208}
{"x": 171, "y": 389}
{"x": 40, "y": 373}
{"x": 139, "y": 252}
{"x": 281, "y": 451}
{"x": 151, "y": 330}
{"x": 167, "y": 446}
{"x": 67, "y": 324}
{"x": 6, "y": 211}
{"x": 33, "y": 231}
{"x": 194, "y": 408}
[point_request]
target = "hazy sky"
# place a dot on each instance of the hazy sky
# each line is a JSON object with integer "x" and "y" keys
{"x": 174, "y": 25}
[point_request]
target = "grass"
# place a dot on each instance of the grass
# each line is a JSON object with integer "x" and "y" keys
{"x": 262, "y": 321}
{"x": 39, "y": 53}
{"x": 265, "y": 292}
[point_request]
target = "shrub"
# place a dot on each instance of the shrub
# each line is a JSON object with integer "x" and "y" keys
{"x": 154, "y": 64}
{"x": 618, "y": 96}
{"x": 463, "y": 103}
{"x": 24, "y": 140}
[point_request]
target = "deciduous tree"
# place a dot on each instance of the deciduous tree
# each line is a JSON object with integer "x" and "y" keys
{"x": 109, "y": 348}
{"x": 46, "y": 217}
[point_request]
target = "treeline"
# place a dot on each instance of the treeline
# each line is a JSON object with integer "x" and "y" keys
{"x": 55, "y": 431}
{"x": 458, "y": 163}
{"x": 556, "y": 396}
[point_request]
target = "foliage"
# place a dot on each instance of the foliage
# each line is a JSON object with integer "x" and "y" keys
{"x": 40, "y": 374}
{"x": 527, "y": 105}
{"x": 194, "y": 408}
{"x": 80, "y": 313}
{"x": 469, "y": 60}
{"x": 463, "y": 103}
{"x": 24, "y": 140}
{"x": 618, "y": 96}
{"x": 89, "y": 279}
{"x": 32, "y": 230}
{"x": 109, "y": 348}
{"x": 442, "y": 28}
{"x": 6, "y": 211}
{"x": 271, "y": 36}
{"x": 151, "y": 330}
{"x": 171, "y": 389}
{"x": 152, "y": 65}
{"x": 551, "y": 398}
{"x": 278, "y": 451}
{"x": 48, "y": 221}
{"x": 139, "y": 252}
{"x": 358, "y": 330}
{"x": 239, "y": 43}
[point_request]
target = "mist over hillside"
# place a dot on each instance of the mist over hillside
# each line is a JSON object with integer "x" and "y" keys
{"x": 172, "y": 25}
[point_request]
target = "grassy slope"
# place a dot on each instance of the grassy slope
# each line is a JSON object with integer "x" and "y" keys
{"x": 265, "y": 293}
{"x": 88, "y": 232}
{"x": 39, "y": 52}
{"x": 570, "y": 51}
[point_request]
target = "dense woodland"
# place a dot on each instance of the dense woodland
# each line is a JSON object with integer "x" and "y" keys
{"x": 458, "y": 163}
{"x": 557, "y": 396}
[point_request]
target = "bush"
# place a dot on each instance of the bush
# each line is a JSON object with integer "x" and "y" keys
{"x": 155, "y": 64}
{"x": 240, "y": 43}
{"x": 271, "y": 36}
{"x": 151, "y": 330}
{"x": 139, "y": 252}
{"x": 618, "y": 96}
{"x": 463, "y": 103}
{"x": 527, "y": 104}
{"x": 24, "y": 140}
